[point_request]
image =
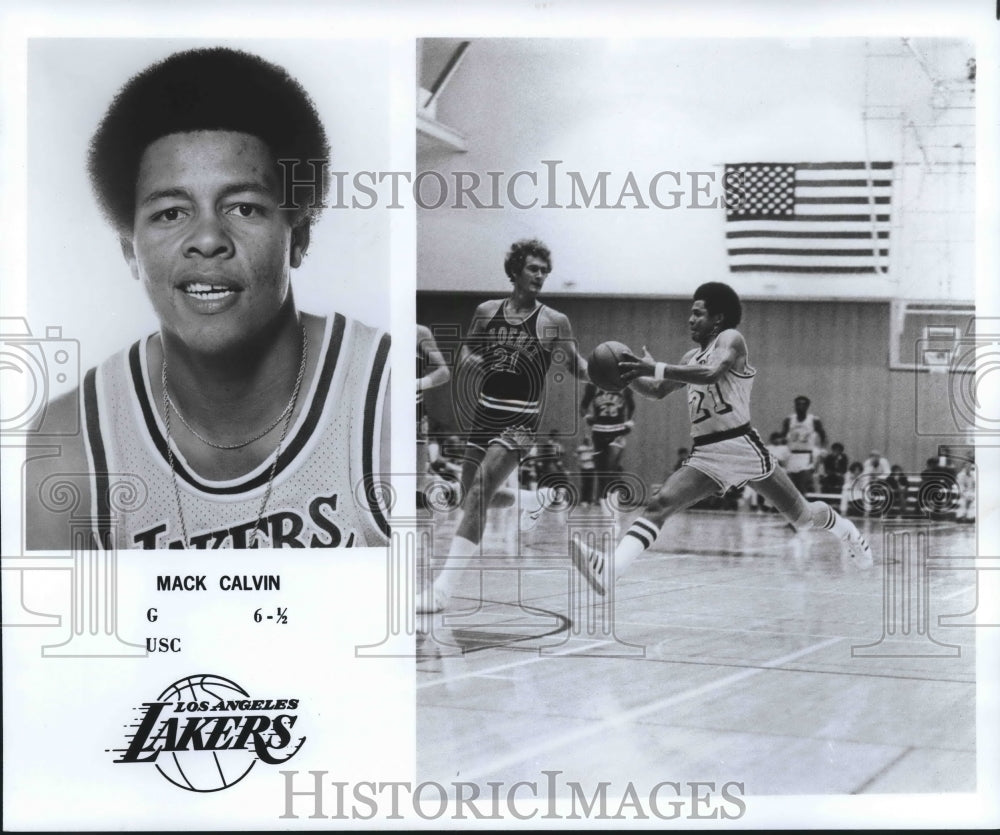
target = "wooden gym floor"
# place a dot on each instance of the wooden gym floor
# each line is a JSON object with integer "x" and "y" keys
{"x": 733, "y": 650}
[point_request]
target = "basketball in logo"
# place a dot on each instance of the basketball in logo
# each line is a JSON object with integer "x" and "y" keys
{"x": 204, "y": 771}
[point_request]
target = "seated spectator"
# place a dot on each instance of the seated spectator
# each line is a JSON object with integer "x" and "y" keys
{"x": 877, "y": 464}
{"x": 899, "y": 487}
{"x": 834, "y": 469}
{"x": 966, "y": 511}
{"x": 847, "y": 506}
{"x": 937, "y": 488}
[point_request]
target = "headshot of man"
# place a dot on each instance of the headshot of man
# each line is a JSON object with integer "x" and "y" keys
{"x": 241, "y": 420}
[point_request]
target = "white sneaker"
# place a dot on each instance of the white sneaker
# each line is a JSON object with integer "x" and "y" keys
{"x": 589, "y": 563}
{"x": 430, "y": 601}
{"x": 859, "y": 549}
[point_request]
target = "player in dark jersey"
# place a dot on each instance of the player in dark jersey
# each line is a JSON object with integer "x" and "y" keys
{"x": 502, "y": 368}
{"x": 609, "y": 415}
{"x": 727, "y": 451}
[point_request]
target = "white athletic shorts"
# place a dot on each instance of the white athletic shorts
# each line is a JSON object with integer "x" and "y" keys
{"x": 732, "y": 461}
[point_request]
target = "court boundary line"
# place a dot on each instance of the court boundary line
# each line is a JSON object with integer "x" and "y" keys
{"x": 509, "y": 665}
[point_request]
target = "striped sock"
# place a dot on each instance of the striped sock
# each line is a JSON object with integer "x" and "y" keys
{"x": 827, "y": 519}
{"x": 641, "y": 535}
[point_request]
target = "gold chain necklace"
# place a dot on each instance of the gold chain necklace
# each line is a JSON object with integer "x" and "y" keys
{"x": 257, "y": 534}
{"x": 238, "y": 445}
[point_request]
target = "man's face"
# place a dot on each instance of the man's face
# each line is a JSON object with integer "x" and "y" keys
{"x": 209, "y": 243}
{"x": 532, "y": 276}
{"x": 702, "y": 323}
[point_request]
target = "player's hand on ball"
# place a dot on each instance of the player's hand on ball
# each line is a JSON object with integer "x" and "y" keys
{"x": 631, "y": 367}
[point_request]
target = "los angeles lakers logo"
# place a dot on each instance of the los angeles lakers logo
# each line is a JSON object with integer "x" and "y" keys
{"x": 205, "y": 733}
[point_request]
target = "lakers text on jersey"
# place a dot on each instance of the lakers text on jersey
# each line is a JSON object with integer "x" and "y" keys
{"x": 325, "y": 491}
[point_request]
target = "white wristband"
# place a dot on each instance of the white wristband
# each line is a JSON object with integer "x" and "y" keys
{"x": 660, "y": 368}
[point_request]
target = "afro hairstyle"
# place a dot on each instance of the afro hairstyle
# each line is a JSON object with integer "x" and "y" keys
{"x": 197, "y": 90}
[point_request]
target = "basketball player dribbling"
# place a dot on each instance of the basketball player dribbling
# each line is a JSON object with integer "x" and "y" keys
{"x": 727, "y": 452}
{"x": 248, "y": 422}
{"x": 508, "y": 351}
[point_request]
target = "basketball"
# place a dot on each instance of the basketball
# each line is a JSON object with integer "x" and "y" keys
{"x": 205, "y": 771}
{"x": 603, "y": 365}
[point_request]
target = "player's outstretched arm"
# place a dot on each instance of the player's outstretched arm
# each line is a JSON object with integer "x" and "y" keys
{"x": 653, "y": 389}
{"x": 732, "y": 352}
{"x": 639, "y": 372}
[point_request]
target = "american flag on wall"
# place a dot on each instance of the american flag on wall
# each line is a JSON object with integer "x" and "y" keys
{"x": 808, "y": 217}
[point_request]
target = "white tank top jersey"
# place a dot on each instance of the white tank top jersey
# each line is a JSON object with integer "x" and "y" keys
{"x": 724, "y": 404}
{"x": 325, "y": 492}
{"x": 802, "y": 436}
